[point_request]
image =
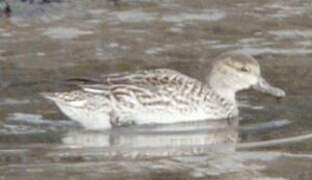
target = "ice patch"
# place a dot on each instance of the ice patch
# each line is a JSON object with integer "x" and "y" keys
{"x": 134, "y": 16}
{"x": 65, "y": 33}
{"x": 208, "y": 15}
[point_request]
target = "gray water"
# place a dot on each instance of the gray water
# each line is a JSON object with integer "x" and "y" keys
{"x": 41, "y": 45}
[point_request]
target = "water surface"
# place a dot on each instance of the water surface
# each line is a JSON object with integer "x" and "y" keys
{"x": 40, "y": 45}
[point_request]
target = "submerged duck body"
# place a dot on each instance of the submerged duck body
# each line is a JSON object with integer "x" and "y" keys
{"x": 163, "y": 95}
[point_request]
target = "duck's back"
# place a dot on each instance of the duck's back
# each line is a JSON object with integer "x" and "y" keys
{"x": 158, "y": 96}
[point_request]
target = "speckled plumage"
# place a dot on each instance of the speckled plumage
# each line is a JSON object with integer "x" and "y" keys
{"x": 149, "y": 96}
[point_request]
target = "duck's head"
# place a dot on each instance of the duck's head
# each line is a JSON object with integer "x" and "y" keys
{"x": 234, "y": 71}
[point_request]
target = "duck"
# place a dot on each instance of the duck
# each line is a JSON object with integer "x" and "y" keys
{"x": 162, "y": 96}
{"x": 5, "y": 8}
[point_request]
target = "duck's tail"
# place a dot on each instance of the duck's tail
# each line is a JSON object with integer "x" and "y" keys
{"x": 49, "y": 95}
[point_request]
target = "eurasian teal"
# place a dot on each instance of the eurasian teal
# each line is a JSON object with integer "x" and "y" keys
{"x": 164, "y": 95}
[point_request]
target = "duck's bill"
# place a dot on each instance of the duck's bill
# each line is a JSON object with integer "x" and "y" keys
{"x": 264, "y": 87}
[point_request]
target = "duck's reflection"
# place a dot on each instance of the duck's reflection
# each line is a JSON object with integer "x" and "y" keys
{"x": 204, "y": 135}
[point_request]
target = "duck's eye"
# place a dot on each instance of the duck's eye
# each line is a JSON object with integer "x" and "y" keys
{"x": 244, "y": 69}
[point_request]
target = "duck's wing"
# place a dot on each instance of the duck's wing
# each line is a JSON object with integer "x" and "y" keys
{"x": 147, "y": 79}
{"x": 148, "y": 88}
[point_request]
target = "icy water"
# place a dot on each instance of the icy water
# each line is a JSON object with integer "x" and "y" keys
{"x": 43, "y": 44}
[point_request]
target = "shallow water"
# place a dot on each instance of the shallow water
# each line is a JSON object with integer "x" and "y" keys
{"x": 40, "y": 45}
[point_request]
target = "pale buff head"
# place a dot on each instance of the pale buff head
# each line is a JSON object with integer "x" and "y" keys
{"x": 234, "y": 71}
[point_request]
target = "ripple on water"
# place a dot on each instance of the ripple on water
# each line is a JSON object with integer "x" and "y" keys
{"x": 9, "y": 101}
{"x": 292, "y": 34}
{"x": 64, "y": 33}
{"x": 205, "y": 15}
{"x": 25, "y": 123}
{"x": 192, "y": 137}
{"x": 286, "y": 10}
{"x": 134, "y": 16}
{"x": 284, "y": 51}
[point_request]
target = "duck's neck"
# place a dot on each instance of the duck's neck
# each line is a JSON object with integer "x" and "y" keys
{"x": 229, "y": 95}
{"x": 223, "y": 91}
